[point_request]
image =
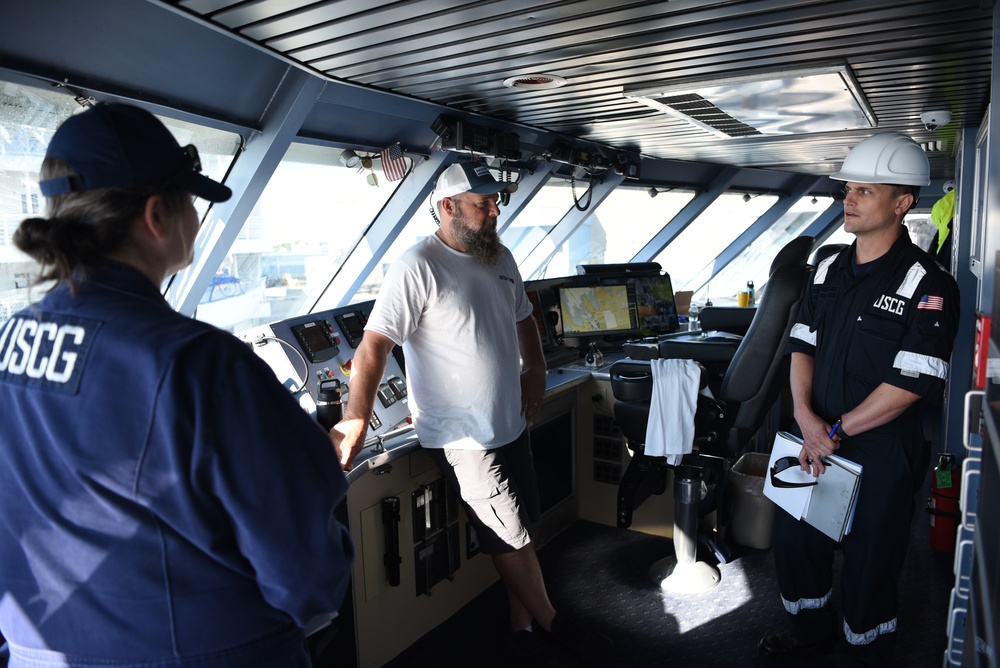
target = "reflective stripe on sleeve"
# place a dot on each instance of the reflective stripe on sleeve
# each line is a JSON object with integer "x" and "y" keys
{"x": 868, "y": 637}
{"x": 913, "y": 277}
{"x": 912, "y": 364}
{"x": 802, "y": 333}
{"x": 806, "y": 603}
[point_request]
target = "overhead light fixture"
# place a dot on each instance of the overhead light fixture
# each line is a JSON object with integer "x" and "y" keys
{"x": 534, "y": 82}
{"x": 823, "y": 99}
{"x": 349, "y": 158}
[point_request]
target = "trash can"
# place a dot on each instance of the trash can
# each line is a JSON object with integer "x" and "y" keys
{"x": 753, "y": 513}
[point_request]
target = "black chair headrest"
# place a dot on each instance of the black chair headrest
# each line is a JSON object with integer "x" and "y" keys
{"x": 732, "y": 319}
{"x": 795, "y": 252}
{"x": 752, "y": 370}
{"x": 826, "y": 251}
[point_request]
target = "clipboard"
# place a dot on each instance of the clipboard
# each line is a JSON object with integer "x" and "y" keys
{"x": 827, "y": 502}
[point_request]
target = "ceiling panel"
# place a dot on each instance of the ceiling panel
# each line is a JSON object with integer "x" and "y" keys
{"x": 907, "y": 57}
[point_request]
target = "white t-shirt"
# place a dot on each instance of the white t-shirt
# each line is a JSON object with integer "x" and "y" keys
{"x": 455, "y": 319}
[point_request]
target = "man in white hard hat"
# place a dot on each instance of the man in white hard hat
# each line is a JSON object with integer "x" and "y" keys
{"x": 872, "y": 343}
{"x": 456, "y": 303}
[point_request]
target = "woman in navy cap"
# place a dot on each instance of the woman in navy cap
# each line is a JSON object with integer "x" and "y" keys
{"x": 150, "y": 512}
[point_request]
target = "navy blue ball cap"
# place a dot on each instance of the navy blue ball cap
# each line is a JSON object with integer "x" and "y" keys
{"x": 115, "y": 145}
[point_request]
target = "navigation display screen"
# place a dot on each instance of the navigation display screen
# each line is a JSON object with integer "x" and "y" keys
{"x": 598, "y": 309}
{"x": 654, "y": 297}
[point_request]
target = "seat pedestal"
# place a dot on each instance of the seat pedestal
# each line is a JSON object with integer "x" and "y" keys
{"x": 683, "y": 573}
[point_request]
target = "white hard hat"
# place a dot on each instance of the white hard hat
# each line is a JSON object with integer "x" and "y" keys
{"x": 889, "y": 158}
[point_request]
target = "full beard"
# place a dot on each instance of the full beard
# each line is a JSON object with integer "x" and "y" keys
{"x": 482, "y": 244}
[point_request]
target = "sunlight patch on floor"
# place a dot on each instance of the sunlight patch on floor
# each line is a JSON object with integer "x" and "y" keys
{"x": 693, "y": 610}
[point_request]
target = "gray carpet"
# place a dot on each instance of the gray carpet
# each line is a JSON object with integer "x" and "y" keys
{"x": 600, "y": 575}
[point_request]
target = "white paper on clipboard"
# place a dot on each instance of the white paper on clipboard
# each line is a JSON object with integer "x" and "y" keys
{"x": 829, "y": 505}
{"x": 833, "y": 501}
{"x": 793, "y": 500}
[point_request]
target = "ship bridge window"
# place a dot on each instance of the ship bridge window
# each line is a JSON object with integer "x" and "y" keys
{"x": 28, "y": 118}
{"x": 308, "y": 219}
{"x": 922, "y": 230}
{"x": 420, "y": 225}
{"x": 697, "y": 247}
{"x": 521, "y": 235}
{"x": 537, "y": 219}
{"x": 754, "y": 263}
{"x": 618, "y": 229}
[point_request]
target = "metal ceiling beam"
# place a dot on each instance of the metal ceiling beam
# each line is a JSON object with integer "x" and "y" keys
{"x": 687, "y": 215}
{"x": 410, "y": 196}
{"x": 527, "y": 187}
{"x": 292, "y": 102}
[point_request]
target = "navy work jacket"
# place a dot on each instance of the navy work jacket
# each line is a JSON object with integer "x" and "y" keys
{"x": 164, "y": 501}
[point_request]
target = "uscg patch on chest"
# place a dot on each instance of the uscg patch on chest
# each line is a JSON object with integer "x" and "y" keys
{"x": 893, "y": 305}
{"x": 48, "y": 354}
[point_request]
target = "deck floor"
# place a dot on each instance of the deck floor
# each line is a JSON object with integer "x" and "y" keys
{"x": 600, "y": 575}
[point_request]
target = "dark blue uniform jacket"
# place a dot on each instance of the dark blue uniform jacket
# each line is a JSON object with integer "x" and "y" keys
{"x": 895, "y": 322}
{"x": 163, "y": 498}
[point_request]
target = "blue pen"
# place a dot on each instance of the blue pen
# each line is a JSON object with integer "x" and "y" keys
{"x": 833, "y": 431}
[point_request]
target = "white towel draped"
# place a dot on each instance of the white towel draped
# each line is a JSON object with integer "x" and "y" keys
{"x": 670, "y": 429}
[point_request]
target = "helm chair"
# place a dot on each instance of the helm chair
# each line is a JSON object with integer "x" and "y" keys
{"x": 724, "y": 427}
{"x": 888, "y": 158}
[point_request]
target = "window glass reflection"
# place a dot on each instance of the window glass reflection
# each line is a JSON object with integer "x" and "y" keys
{"x": 421, "y": 225}
{"x": 309, "y": 218}
{"x": 537, "y": 219}
{"x": 696, "y": 248}
{"x": 754, "y": 263}
{"x": 624, "y": 222}
{"x": 28, "y": 118}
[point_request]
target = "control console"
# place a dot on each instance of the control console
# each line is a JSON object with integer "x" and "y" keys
{"x": 312, "y": 356}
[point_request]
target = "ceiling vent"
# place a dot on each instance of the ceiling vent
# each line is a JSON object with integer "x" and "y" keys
{"x": 534, "y": 82}
{"x": 706, "y": 114}
{"x": 824, "y": 99}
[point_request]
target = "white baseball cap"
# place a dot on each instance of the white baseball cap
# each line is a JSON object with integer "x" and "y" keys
{"x": 466, "y": 177}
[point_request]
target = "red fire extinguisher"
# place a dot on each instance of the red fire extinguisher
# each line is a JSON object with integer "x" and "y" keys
{"x": 943, "y": 504}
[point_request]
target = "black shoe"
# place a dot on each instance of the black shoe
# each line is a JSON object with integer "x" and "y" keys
{"x": 535, "y": 648}
{"x": 782, "y": 647}
{"x": 590, "y": 645}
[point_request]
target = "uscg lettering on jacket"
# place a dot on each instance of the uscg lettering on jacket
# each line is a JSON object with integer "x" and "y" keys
{"x": 893, "y": 305}
{"x": 48, "y": 354}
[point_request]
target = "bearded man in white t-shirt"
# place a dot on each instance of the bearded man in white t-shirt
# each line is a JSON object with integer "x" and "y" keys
{"x": 456, "y": 303}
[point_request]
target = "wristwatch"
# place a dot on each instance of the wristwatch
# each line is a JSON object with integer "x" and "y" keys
{"x": 839, "y": 429}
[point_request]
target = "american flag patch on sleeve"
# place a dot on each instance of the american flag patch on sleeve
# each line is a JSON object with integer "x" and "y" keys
{"x": 931, "y": 303}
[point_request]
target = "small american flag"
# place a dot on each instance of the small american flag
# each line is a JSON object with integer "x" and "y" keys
{"x": 931, "y": 303}
{"x": 393, "y": 162}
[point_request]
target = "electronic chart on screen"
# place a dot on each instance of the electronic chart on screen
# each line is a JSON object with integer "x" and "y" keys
{"x": 655, "y": 305}
{"x": 602, "y": 309}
